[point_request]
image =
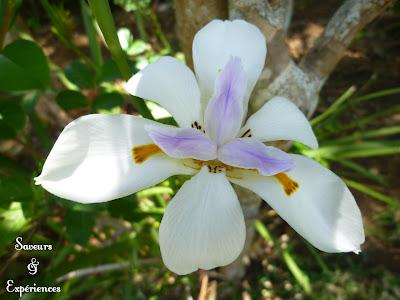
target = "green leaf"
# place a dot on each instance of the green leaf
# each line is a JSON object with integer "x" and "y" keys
{"x": 137, "y": 47}
{"x": 125, "y": 38}
{"x": 15, "y": 189}
{"x": 12, "y": 221}
{"x": 9, "y": 167}
{"x": 23, "y": 66}
{"x": 71, "y": 99}
{"x": 79, "y": 225}
{"x": 12, "y": 114}
{"x": 80, "y": 74}
{"x": 123, "y": 208}
{"x": 109, "y": 71}
{"x": 107, "y": 103}
{"x": 15, "y": 182}
{"x": 6, "y": 131}
{"x": 41, "y": 131}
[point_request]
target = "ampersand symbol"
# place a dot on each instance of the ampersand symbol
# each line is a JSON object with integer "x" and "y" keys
{"x": 33, "y": 266}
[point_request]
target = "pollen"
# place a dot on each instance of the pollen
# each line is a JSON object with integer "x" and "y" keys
{"x": 289, "y": 185}
{"x": 143, "y": 152}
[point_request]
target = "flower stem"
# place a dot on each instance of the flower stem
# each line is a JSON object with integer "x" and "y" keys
{"x": 102, "y": 12}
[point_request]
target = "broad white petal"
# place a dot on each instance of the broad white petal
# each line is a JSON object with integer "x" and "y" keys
{"x": 171, "y": 84}
{"x": 281, "y": 119}
{"x": 322, "y": 209}
{"x": 219, "y": 40}
{"x": 92, "y": 161}
{"x": 203, "y": 226}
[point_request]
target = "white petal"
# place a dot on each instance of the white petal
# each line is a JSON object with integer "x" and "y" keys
{"x": 322, "y": 209}
{"x": 280, "y": 119}
{"x": 215, "y": 43}
{"x": 203, "y": 226}
{"x": 171, "y": 84}
{"x": 92, "y": 161}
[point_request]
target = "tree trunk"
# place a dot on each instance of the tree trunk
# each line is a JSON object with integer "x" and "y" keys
{"x": 191, "y": 15}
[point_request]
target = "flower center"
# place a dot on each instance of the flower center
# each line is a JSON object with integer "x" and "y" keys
{"x": 141, "y": 153}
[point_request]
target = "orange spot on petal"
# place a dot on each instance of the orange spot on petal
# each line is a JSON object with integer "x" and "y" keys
{"x": 289, "y": 185}
{"x": 143, "y": 152}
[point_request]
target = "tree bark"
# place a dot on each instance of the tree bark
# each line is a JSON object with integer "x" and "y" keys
{"x": 330, "y": 47}
{"x": 192, "y": 15}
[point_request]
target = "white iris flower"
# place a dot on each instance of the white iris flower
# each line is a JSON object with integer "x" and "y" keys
{"x": 99, "y": 158}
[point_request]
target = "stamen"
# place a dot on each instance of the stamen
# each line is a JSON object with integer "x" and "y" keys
{"x": 196, "y": 125}
{"x": 247, "y": 133}
{"x": 143, "y": 152}
{"x": 216, "y": 167}
{"x": 288, "y": 184}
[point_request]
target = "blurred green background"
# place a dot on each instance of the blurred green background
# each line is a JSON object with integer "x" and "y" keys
{"x": 55, "y": 67}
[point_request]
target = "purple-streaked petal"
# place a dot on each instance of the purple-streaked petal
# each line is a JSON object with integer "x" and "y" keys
{"x": 215, "y": 43}
{"x": 224, "y": 112}
{"x": 182, "y": 142}
{"x": 252, "y": 154}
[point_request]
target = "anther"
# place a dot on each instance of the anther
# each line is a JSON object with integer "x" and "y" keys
{"x": 143, "y": 152}
{"x": 247, "y": 133}
{"x": 289, "y": 185}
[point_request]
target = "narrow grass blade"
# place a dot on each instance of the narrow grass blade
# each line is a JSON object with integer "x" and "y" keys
{"x": 372, "y": 193}
{"x": 378, "y": 94}
{"x": 89, "y": 24}
{"x": 358, "y": 135}
{"x": 61, "y": 32}
{"x": 290, "y": 261}
{"x": 365, "y": 149}
{"x": 333, "y": 108}
{"x": 371, "y": 117}
{"x": 102, "y": 12}
{"x": 360, "y": 170}
{"x": 294, "y": 268}
{"x": 263, "y": 231}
